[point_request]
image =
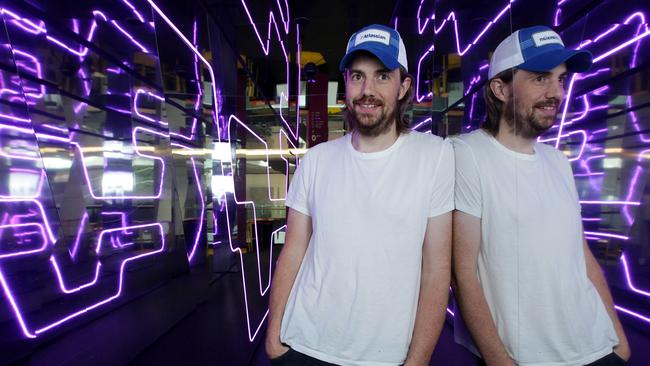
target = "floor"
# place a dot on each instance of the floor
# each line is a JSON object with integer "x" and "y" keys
{"x": 215, "y": 333}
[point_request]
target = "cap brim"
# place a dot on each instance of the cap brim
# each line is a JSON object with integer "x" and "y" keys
{"x": 389, "y": 61}
{"x": 576, "y": 61}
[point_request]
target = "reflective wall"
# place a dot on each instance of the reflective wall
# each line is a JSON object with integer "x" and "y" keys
{"x": 118, "y": 155}
{"x": 602, "y": 128}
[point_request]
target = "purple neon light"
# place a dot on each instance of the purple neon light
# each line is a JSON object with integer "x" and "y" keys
{"x": 61, "y": 281}
{"x": 134, "y": 10}
{"x": 159, "y": 190}
{"x": 75, "y": 245}
{"x": 129, "y": 36}
{"x": 600, "y": 57}
{"x": 139, "y": 92}
{"x": 420, "y": 124}
{"x": 121, "y": 275}
{"x": 266, "y": 147}
{"x": 629, "y": 279}
{"x": 286, "y": 161}
{"x": 591, "y": 219}
{"x": 28, "y": 251}
{"x": 46, "y": 225}
{"x": 272, "y": 24}
{"x": 460, "y": 50}
{"x": 30, "y": 26}
{"x": 632, "y": 313}
{"x": 199, "y": 95}
{"x": 197, "y": 235}
{"x": 251, "y": 333}
{"x": 34, "y": 333}
{"x": 123, "y": 220}
{"x": 189, "y": 44}
{"x": 83, "y": 51}
{"x": 606, "y": 235}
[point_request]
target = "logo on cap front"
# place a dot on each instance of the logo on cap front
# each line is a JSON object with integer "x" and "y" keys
{"x": 546, "y": 37}
{"x": 372, "y": 35}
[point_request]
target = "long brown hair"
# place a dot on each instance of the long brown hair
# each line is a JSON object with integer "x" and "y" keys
{"x": 405, "y": 104}
{"x": 493, "y": 105}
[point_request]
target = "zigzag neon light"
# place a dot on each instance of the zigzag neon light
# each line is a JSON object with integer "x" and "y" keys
{"x": 27, "y": 330}
{"x": 75, "y": 245}
{"x": 251, "y": 333}
{"x": 199, "y": 96}
{"x": 197, "y": 235}
{"x": 138, "y": 93}
{"x": 436, "y": 30}
{"x": 191, "y": 46}
{"x": 272, "y": 24}
{"x": 599, "y": 58}
{"x": 159, "y": 190}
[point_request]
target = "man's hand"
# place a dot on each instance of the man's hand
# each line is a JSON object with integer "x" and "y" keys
{"x": 275, "y": 349}
{"x": 623, "y": 351}
{"x": 507, "y": 361}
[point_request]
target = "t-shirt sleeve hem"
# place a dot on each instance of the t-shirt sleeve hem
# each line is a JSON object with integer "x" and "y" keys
{"x": 302, "y": 209}
{"x": 468, "y": 210}
{"x": 441, "y": 210}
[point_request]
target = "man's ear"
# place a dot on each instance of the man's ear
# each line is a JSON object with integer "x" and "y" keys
{"x": 404, "y": 87}
{"x": 500, "y": 89}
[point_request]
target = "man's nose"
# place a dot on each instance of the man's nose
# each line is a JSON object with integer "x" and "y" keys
{"x": 555, "y": 90}
{"x": 368, "y": 87}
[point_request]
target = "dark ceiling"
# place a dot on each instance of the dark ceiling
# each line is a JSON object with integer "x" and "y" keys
{"x": 325, "y": 26}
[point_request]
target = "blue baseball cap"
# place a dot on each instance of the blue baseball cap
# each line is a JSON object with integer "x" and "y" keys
{"x": 539, "y": 49}
{"x": 383, "y": 42}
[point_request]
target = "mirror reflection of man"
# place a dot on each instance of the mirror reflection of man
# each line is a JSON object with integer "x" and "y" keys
{"x": 529, "y": 288}
{"x": 363, "y": 278}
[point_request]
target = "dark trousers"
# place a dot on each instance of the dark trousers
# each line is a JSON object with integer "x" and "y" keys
{"x": 295, "y": 358}
{"x": 611, "y": 359}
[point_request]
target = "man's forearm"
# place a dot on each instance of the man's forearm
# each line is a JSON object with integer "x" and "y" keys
{"x": 595, "y": 274}
{"x": 476, "y": 315}
{"x": 288, "y": 265}
{"x": 432, "y": 305}
{"x": 285, "y": 275}
{"x": 434, "y": 290}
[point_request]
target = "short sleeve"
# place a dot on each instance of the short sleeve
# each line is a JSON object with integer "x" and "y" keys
{"x": 442, "y": 198}
{"x": 297, "y": 197}
{"x": 467, "y": 190}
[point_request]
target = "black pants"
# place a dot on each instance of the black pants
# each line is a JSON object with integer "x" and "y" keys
{"x": 611, "y": 359}
{"x": 295, "y": 358}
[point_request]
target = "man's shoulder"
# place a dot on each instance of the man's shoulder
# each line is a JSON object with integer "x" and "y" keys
{"x": 474, "y": 138}
{"x": 327, "y": 147}
{"x": 426, "y": 141}
{"x": 549, "y": 150}
{"x": 475, "y": 142}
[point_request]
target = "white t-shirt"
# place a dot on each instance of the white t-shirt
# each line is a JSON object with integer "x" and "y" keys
{"x": 531, "y": 263}
{"x": 356, "y": 293}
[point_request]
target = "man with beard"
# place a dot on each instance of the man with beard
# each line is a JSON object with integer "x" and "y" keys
{"x": 363, "y": 277}
{"x": 529, "y": 289}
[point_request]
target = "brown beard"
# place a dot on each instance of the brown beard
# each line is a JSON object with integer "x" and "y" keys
{"x": 382, "y": 124}
{"x": 524, "y": 125}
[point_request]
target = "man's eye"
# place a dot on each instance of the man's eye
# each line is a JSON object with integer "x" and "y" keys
{"x": 356, "y": 77}
{"x": 540, "y": 79}
{"x": 383, "y": 77}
